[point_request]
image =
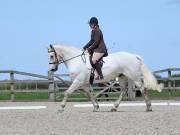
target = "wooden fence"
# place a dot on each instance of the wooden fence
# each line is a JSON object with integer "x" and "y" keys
{"x": 54, "y": 82}
{"x": 169, "y": 81}
{"x": 13, "y": 82}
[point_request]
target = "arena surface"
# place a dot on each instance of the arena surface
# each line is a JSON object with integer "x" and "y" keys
{"x": 42, "y": 118}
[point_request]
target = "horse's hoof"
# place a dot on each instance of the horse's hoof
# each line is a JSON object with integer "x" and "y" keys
{"x": 116, "y": 105}
{"x": 62, "y": 105}
{"x": 149, "y": 110}
{"x": 60, "y": 110}
{"x": 96, "y": 109}
{"x": 113, "y": 109}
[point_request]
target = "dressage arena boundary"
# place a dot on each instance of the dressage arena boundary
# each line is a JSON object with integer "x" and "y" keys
{"x": 130, "y": 104}
{"x": 56, "y": 83}
{"x": 89, "y": 105}
{"x": 22, "y": 107}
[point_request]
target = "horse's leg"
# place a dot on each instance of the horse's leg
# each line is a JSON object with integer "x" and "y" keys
{"x": 74, "y": 86}
{"x": 147, "y": 100}
{"x": 118, "y": 101}
{"x": 122, "y": 83}
{"x": 140, "y": 84}
{"x": 91, "y": 97}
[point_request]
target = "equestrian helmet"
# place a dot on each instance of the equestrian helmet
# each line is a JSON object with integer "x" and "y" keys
{"x": 93, "y": 20}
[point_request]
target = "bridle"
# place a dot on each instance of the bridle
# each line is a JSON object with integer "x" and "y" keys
{"x": 55, "y": 54}
{"x": 57, "y": 61}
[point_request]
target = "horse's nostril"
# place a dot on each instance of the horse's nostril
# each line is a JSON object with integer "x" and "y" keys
{"x": 54, "y": 68}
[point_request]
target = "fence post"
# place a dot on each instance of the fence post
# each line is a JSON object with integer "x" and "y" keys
{"x": 51, "y": 86}
{"x": 12, "y": 86}
{"x": 131, "y": 90}
{"x": 169, "y": 81}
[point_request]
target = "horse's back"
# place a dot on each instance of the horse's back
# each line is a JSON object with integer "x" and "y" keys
{"x": 122, "y": 58}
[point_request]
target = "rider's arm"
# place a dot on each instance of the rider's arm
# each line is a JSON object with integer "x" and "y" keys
{"x": 90, "y": 42}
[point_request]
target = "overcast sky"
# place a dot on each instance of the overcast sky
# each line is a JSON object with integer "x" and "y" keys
{"x": 150, "y": 28}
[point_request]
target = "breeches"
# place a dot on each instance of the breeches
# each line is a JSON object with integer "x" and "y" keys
{"x": 96, "y": 56}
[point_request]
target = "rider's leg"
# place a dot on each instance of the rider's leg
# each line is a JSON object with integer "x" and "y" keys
{"x": 99, "y": 71}
{"x": 96, "y": 56}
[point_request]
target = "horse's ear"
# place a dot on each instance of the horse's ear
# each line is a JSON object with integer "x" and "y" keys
{"x": 51, "y": 46}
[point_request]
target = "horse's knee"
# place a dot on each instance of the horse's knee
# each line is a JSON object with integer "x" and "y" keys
{"x": 67, "y": 93}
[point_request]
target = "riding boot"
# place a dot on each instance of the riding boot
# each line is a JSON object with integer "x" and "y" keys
{"x": 99, "y": 71}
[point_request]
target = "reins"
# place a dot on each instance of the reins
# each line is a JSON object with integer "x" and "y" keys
{"x": 82, "y": 56}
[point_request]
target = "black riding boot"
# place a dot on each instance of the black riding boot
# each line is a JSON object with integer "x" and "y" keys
{"x": 99, "y": 71}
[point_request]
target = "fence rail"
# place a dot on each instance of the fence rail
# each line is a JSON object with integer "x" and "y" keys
{"x": 53, "y": 83}
{"x": 12, "y": 82}
{"x": 170, "y": 82}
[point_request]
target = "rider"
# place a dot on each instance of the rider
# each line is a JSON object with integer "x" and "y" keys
{"x": 96, "y": 46}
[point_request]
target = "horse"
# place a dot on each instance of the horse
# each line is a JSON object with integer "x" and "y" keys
{"x": 123, "y": 65}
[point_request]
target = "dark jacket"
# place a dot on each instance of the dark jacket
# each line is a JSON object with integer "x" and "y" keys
{"x": 96, "y": 44}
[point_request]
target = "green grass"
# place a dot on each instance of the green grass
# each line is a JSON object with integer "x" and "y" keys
{"x": 31, "y": 95}
{"x": 5, "y": 95}
{"x": 79, "y": 96}
{"x": 164, "y": 93}
{"x": 25, "y": 96}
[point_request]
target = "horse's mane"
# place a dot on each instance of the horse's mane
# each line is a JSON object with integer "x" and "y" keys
{"x": 67, "y": 46}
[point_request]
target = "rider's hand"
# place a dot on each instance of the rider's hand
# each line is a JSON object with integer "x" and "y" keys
{"x": 89, "y": 50}
{"x": 85, "y": 51}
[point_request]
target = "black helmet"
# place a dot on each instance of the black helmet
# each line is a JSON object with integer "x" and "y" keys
{"x": 93, "y": 20}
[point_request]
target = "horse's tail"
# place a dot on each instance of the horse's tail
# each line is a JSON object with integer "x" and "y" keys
{"x": 150, "y": 81}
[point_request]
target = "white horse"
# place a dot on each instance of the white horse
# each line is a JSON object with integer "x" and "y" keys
{"x": 130, "y": 65}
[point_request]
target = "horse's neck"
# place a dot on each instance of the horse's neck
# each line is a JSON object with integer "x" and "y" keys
{"x": 69, "y": 52}
{"x": 70, "y": 55}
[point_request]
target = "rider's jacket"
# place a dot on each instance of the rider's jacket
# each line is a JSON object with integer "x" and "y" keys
{"x": 96, "y": 44}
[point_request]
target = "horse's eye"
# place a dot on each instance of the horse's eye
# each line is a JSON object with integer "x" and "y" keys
{"x": 51, "y": 57}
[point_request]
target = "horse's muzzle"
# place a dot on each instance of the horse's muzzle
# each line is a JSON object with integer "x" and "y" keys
{"x": 53, "y": 68}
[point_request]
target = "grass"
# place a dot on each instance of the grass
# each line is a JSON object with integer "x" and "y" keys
{"x": 25, "y": 96}
{"x": 31, "y": 95}
{"x": 79, "y": 96}
{"x": 165, "y": 93}
{"x": 5, "y": 95}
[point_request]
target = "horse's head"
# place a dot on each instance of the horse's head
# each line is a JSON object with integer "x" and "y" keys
{"x": 54, "y": 58}
{"x": 63, "y": 54}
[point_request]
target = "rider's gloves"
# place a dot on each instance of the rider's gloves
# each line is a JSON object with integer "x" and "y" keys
{"x": 89, "y": 50}
{"x": 84, "y": 48}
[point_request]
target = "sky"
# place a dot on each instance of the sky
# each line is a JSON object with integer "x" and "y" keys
{"x": 149, "y": 28}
